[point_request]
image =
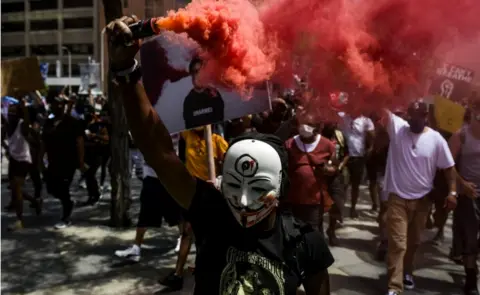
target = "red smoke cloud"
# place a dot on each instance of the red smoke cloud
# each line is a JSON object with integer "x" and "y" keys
{"x": 373, "y": 49}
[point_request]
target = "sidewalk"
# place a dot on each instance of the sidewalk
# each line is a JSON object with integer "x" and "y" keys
{"x": 79, "y": 260}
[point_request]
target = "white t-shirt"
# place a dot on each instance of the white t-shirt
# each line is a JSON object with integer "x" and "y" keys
{"x": 355, "y": 131}
{"x": 413, "y": 159}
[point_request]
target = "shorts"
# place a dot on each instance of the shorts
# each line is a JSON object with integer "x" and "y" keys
{"x": 356, "y": 167}
{"x": 156, "y": 203}
{"x": 466, "y": 223}
{"x": 18, "y": 168}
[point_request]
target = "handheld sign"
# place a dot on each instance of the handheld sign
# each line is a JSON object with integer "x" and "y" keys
{"x": 449, "y": 115}
{"x": 451, "y": 81}
{"x": 166, "y": 64}
{"x": 20, "y": 76}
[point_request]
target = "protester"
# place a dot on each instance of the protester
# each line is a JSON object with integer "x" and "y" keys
{"x": 310, "y": 161}
{"x": 465, "y": 147}
{"x": 415, "y": 153}
{"x": 20, "y": 160}
{"x": 243, "y": 211}
{"x": 337, "y": 181}
{"x": 64, "y": 145}
{"x": 359, "y": 132}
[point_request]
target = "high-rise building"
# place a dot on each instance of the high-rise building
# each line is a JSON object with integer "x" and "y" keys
{"x": 53, "y": 30}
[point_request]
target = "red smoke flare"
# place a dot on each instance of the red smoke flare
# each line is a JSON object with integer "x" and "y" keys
{"x": 372, "y": 49}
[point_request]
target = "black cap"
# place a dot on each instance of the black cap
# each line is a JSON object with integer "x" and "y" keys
{"x": 418, "y": 107}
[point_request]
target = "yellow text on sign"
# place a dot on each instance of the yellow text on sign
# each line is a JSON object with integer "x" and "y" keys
{"x": 449, "y": 115}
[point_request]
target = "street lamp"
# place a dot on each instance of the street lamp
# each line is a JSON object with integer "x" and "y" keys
{"x": 69, "y": 69}
{"x": 102, "y": 59}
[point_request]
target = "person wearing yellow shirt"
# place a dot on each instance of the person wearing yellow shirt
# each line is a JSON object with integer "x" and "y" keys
{"x": 192, "y": 151}
{"x": 196, "y": 159}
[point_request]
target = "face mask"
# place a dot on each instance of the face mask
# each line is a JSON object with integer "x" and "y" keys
{"x": 251, "y": 180}
{"x": 306, "y": 131}
{"x": 417, "y": 125}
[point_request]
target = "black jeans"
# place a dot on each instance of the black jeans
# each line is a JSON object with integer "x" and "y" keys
{"x": 58, "y": 185}
{"x": 93, "y": 160}
{"x": 37, "y": 180}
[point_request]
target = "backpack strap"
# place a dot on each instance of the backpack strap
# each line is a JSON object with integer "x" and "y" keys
{"x": 294, "y": 251}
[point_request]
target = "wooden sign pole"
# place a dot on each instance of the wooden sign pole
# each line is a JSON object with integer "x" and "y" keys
{"x": 211, "y": 159}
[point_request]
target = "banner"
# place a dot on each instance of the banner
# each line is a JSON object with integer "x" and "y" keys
{"x": 448, "y": 114}
{"x": 165, "y": 61}
{"x": 20, "y": 76}
{"x": 90, "y": 78}
{"x": 451, "y": 81}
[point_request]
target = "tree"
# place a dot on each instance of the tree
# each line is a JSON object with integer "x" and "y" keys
{"x": 120, "y": 172}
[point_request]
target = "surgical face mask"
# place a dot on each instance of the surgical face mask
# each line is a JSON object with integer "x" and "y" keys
{"x": 251, "y": 180}
{"x": 306, "y": 131}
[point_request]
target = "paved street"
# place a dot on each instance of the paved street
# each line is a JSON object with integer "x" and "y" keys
{"x": 79, "y": 260}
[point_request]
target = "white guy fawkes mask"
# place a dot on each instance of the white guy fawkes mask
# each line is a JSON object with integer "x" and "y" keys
{"x": 251, "y": 180}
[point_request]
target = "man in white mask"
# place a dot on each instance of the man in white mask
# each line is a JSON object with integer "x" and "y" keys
{"x": 243, "y": 243}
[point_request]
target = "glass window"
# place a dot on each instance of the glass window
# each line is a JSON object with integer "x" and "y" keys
{"x": 43, "y": 25}
{"x": 13, "y": 51}
{"x": 13, "y": 7}
{"x": 75, "y": 69}
{"x": 44, "y": 50}
{"x": 43, "y": 4}
{"x": 77, "y": 3}
{"x": 13, "y": 27}
{"x": 86, "y": 48}
{"x": 78, "y": 23}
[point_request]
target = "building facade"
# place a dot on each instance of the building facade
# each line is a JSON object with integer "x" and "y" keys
{"x": 61, "y": 30}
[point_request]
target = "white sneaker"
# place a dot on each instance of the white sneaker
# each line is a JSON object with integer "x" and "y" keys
{"x": 177, "y": 248}
{"x": 392, "y": 293}
{"x": 132, "y": 253}
{"x": 63, "y": 224}
{"x": 408, "y": 282}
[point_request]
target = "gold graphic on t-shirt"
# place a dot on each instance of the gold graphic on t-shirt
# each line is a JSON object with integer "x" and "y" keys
{"x": 248, "y": 273}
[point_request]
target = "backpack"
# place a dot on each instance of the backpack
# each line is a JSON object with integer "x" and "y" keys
{"x": 294, "y": 250}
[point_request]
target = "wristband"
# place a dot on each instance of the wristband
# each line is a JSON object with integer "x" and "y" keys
{"x": 131, "y": 78}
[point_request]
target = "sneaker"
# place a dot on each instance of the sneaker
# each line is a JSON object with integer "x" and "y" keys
{"x": 408, "y": 282}
{"x": 132, "y": 253}
{"x": 63, "y": 224}
{"x": 172, "y": 281}
{"x": 18, "y": 225}
{"x": 392, "y": 293}
{"x": 177, "y": 248}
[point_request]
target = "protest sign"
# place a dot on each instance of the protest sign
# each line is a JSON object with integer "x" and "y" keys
{"x": 165, "y": 63}
{"x": 451, "y": 81}
{"x": 448, "y": 114}
{"x": 20, "y": 76}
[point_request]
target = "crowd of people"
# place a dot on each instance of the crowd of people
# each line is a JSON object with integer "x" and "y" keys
{"x": 280, "y": 174}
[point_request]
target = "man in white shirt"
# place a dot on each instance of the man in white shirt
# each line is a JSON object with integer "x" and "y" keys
{"x": 415, "y": 153}
{"x": 359, "y": 133}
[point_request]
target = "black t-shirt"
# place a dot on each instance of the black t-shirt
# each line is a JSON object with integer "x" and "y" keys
{"x": 203, "y": 108}
{"x": 231, "y": 260}
{"x": 60, "y": 138}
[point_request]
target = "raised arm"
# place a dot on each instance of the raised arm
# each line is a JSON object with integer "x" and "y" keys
{"x": 150, "y": 134}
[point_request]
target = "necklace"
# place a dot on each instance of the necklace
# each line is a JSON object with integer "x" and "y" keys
{"x": 414, "y": 143}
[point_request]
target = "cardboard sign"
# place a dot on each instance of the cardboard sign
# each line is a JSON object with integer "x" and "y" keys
{"x": 451, "y": 81}
{"x": 165, "y": 61}
{"x": 448, "y": 114}
{"x": 20, "y": 76}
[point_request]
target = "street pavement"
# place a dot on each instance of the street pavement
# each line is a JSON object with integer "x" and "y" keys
{"x": 79, "y": 260}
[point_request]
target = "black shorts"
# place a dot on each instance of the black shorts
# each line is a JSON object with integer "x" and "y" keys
{"x": 18, "y": 168}
{"x": 356, "y": 168}
{"x": 466, "y": 223}
{"x": 156, "y": 203}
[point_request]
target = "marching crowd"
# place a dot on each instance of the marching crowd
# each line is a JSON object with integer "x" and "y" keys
{"x": 270, "y": 166}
